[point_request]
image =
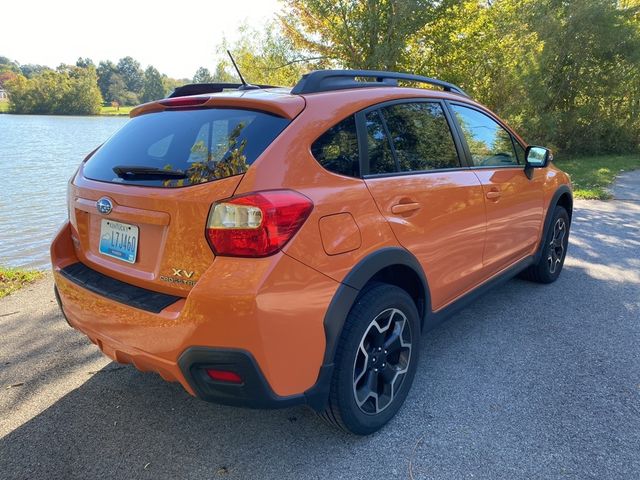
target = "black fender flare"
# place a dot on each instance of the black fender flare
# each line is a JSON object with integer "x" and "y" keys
{"x": 351, "y": 286}
{"x": 562, "y": 189}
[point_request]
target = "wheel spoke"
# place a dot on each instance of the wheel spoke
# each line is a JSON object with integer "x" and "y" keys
{"x": 393, "y": 341}
{"x": 363, "y": 364}
{"x": 368, "y": 389}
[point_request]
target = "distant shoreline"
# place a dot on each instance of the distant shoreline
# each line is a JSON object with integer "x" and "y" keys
{"x": 105, "y": 112}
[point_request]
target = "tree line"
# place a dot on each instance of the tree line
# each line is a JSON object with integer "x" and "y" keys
{"x": 81, "y": 88}
{"x": 565, "y": 73}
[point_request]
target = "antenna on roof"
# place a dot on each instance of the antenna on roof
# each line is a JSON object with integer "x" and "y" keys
{"x": 245, "y": 85}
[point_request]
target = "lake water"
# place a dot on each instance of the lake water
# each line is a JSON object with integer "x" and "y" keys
{"x": 38, "y": 155}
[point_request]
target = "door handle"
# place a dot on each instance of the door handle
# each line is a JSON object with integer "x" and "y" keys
{"x": 493, "y": 194}
{"x": 405, "y": 207}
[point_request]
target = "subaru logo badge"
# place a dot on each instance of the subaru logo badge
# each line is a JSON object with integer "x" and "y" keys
{"x": 104, "y": 206}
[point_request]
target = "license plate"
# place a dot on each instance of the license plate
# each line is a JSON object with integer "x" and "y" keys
{"x": 119, "y": 240}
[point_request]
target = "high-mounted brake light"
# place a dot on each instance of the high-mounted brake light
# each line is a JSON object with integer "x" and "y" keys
{"x": 184, "y": 101}
{"x": 257, "y": 224}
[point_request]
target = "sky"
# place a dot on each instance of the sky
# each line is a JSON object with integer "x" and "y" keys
{"x": 175, "y": 36}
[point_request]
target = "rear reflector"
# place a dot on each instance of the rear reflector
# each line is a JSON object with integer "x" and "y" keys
{"x": 184, "y": 101}
{"x": 257, "y": 224}
{"x": 223, "y": 376}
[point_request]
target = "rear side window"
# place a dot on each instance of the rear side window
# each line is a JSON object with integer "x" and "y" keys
{"x": 337, "y": 149}
{"x": 421, "y": 136}
{"x": 184, "y": 147}
{"x": 381, "y": 158}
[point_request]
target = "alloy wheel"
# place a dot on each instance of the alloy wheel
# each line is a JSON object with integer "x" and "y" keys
{"x": 382, "y": 361}
{"x": 557, "y": 245}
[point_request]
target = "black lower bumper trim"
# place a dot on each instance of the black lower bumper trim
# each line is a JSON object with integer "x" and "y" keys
{"x": 254, "y": 391}
{"x": 116, "y": 290}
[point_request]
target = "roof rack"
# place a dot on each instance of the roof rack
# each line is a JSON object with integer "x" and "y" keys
{"x": 200, "y": 88}
{"x": 327, "y": 80}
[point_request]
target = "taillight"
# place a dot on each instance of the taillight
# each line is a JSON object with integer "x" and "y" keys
{"x": 257, "y": 224}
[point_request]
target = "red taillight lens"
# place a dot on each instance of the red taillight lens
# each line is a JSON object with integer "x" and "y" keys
{"x": 258, "y": 224}
{"x": 183, "y": 101}
{"x": 223, "y": 376}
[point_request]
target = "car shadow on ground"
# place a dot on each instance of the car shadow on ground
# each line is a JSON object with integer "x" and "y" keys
{"x": 493, "y": 387}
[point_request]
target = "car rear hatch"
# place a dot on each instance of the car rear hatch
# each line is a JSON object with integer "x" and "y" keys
{"x": 139, "y": 204}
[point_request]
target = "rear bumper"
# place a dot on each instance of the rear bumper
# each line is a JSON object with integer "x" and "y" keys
{"x": 254, "y": 391}
{"x": 263, "y": 320}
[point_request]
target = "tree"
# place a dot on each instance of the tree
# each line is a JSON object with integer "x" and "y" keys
{"x": 153, "y": 88}
{"x": 5, "y": 76}
{"x": 8, "y": 65}
{"x": 30, "y": 70}
{"x": 106, "y": 70}
{"x": 370, "y": 34}
{"x": 222, "y": 74}
{"x": 202, "y": 76}
{"x": 266, "y": 57}
{"x": 486, "y": 48}
{"x": 130, "y": 71}
{"x": 586, "y": 87}
{"x": 85, "y": 62}
{"x": 69, "y": 91}
{"x": 118, "y": 92}
{"x": 170, "y": 84}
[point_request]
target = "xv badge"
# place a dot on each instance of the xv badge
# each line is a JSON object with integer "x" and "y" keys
{"x": 178, "y": 272}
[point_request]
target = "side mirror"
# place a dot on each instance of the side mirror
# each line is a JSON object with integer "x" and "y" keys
{"x": 536, "y": 157}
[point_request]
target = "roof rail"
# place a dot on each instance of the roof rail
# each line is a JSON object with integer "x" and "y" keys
{"x": 200, "y": 88}
{"x": 327, "y": 80}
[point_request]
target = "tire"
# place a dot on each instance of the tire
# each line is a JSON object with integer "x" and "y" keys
{"x": 553, "y": 250}
{"x": 370, "y": 382}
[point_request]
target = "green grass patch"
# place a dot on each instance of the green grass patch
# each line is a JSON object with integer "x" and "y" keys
{"x": 115, "y": 111}
{"x": 12, "y": 279}
{"x": 592, "y": 175}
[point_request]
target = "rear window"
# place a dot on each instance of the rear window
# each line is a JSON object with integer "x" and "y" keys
{"x": 184, "y": 147}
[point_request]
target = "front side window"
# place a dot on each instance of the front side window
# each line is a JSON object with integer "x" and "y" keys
{"x": 421, "y": 136}
{"x": 337, "y": 149}
{"x": 489, "y": 143}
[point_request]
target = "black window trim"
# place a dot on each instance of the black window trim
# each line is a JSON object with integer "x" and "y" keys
{"x": 463, "y": 140}
{"x": 364, "y": 147}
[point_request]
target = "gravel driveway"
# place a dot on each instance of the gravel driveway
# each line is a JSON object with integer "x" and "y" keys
{"x": 530, "y": 381}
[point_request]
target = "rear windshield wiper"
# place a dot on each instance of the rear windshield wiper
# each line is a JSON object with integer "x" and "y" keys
{"x": 132, "y": 172}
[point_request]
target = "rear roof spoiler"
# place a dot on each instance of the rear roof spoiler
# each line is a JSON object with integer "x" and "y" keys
{"x": 202, "y": 88}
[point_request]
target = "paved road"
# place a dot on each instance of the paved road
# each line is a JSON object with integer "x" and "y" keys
{"x": 627, "y": 186}
{"x": 529, "y": 382}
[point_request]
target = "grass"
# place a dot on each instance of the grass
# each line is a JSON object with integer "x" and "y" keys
{"x": 113, "y": 111}
{"x": 12, "y": 279}
{"x": 592, "y": 175}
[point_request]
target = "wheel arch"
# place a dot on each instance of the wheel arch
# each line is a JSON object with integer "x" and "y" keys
{"x": 392, "y": 265}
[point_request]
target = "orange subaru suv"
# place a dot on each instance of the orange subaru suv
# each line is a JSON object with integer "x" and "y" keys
{"x": 268, "y": 247}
